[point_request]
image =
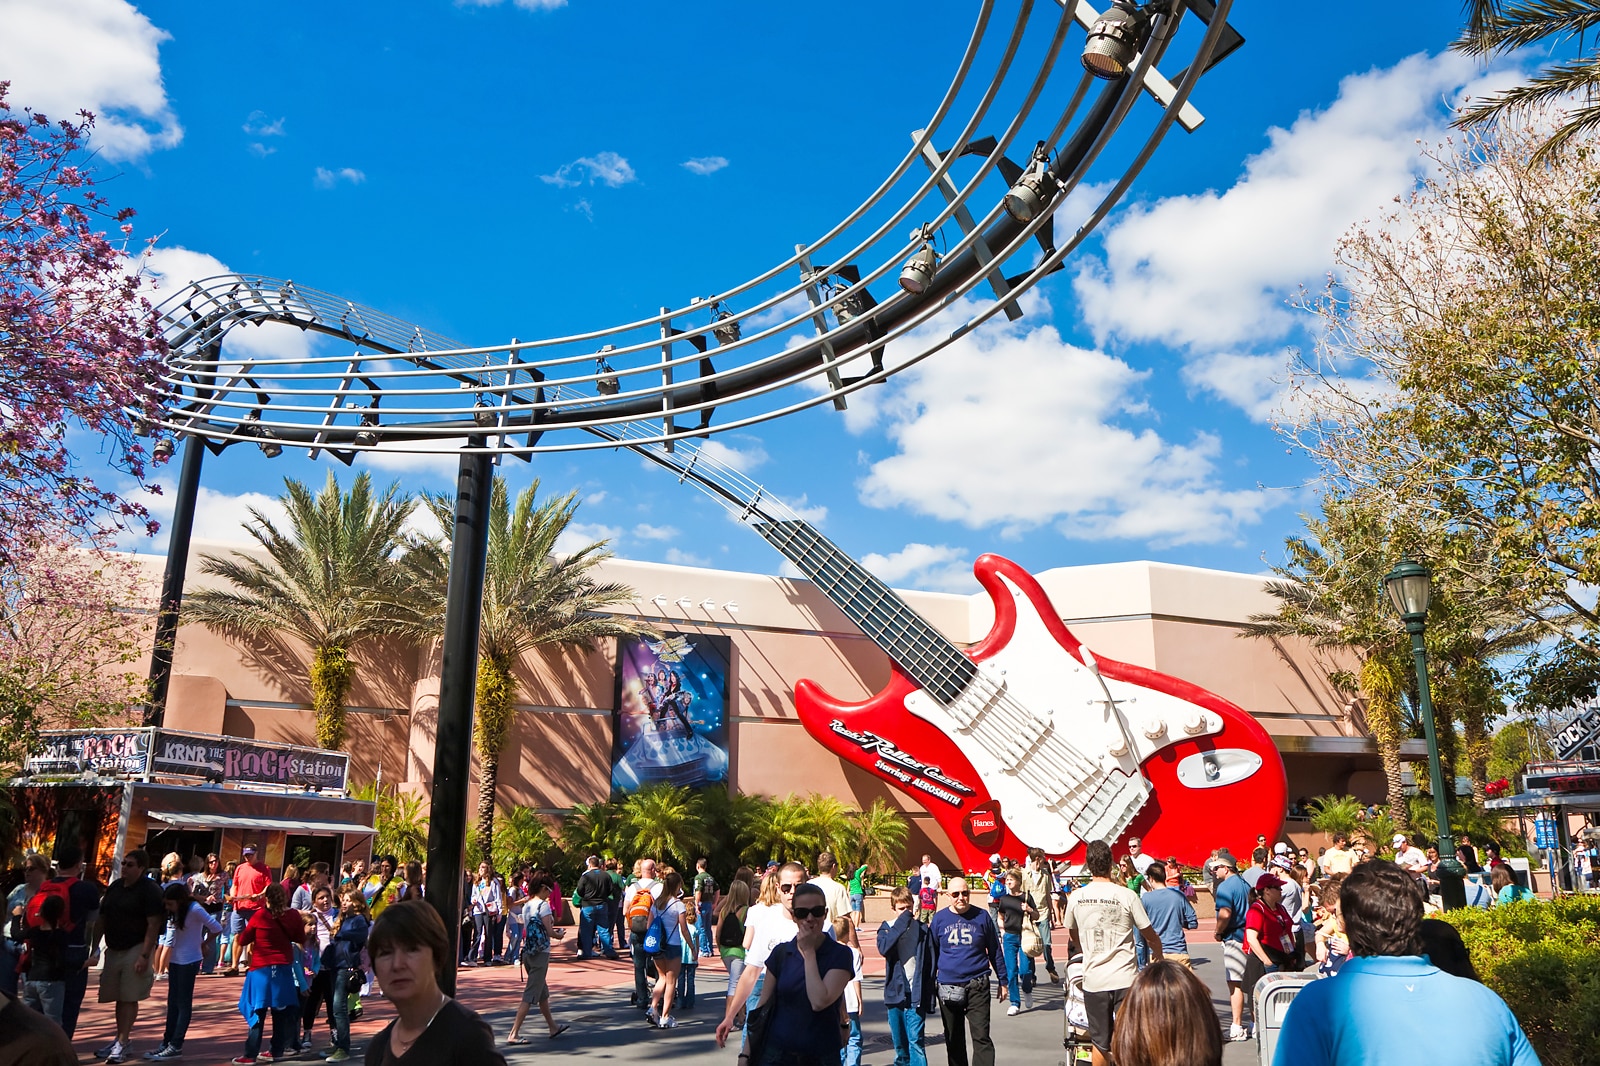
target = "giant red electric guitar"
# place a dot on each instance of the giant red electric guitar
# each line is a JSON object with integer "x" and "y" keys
{"x": 1025, "y": 740}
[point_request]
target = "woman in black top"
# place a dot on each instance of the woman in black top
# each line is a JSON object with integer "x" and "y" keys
{"x": 1014, "y": 907}
{"x": 729, "y": 930}
{"x": 409, "y": 947}
{"x": 805, "y": 979}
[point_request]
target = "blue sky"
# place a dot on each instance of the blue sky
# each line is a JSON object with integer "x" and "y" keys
{"x": 492, "y": 170}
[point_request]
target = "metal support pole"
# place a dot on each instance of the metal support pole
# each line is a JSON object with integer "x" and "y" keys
{"x": 452, "y": 753}
{"x": 1451, "y": 890}
{"x": 194, "y": 450}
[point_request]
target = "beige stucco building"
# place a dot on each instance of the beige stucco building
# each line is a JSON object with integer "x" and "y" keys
{"x": 1181, "y": 620}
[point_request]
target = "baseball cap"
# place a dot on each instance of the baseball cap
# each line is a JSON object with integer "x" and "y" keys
{"x": 1399, "y": 838}
{"x": 1224, "y": 860}
{"x": 1280, "y": 848}
{"x": 249, "y": 849}
{"x": 1268, "y": 881}
{"x": 994, "y": 860}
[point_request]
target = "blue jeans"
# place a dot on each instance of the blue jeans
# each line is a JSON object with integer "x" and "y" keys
{"x": 850, "y": 1054}
{"x": 341, "y": 1008}
{"x": 46, "y": 997}
{"x": 284, "y": 1023}
{"x": 735, "y": 965}
{"x": 705, "y": 944}
{"x": 685, "y": 989}
{"x": 1019, "y": 967}
{"x": 77, "y": 984}
{"x": 180, "y": 1001}
{"x": 592, "y": 927}
{"x": 905, "y": 1029}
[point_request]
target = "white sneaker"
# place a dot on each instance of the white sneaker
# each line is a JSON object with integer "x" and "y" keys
{"x": 1013, "y": 1010}
{"x": 1237, "y": 1032}
{"x": 1027, "y": 1001}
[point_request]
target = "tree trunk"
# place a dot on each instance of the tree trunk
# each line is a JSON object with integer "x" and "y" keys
{"x": 1395, "y": 792}
{"x": 331, "y": 674}
{"x": 1382, "y": 692}
{"x": 496, "y": 702}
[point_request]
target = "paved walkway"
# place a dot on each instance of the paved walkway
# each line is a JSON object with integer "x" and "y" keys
{"x": 593, "y": 997}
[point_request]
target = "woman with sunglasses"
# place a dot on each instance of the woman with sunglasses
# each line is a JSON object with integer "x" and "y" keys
{"x": 807, "y": 977}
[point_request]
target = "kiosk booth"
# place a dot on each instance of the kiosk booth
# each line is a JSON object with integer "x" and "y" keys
{"x": 111, "y": 790}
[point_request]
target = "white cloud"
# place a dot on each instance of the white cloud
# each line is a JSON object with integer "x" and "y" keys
{"x": 526, "y": 5}
{"x": 645, "y": 531}
{"x": 682, "y": 558}
{"x": 704, "y": 165}
{"x": 743, "y": 459}
{"x": 327, "y": 179}
{"x": 936, "y": 567}
{"x": 63, "y": 56}
{"x": 1013, "y": 427}
{"x": 584, "y": 208}
{"x": 607, "y": 168}
{"x": 1253, "y": 383}
{"x": 594, "y": 499}
{"x": 816, "y": 514}
{"x": 217, "y": 516}
{"x": 169, "y": 270}
{"x": 258, "y": 126}
{"x": 441, "y": 462}
{"x": 582, "y": 534}
{"x": 259, "y": 150}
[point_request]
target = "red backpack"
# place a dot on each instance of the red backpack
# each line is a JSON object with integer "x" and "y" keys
{"x": 62, "y": 888}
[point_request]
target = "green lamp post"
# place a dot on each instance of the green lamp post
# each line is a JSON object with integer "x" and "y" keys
{"x": 1410, "y": 587}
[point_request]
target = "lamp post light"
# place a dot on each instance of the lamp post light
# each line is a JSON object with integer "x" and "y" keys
{"x": 1410, "y": 587}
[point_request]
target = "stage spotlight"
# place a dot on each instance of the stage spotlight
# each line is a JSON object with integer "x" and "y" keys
{"x": 1028, "y": 197}
{"x": 917, "y": 274}
{"x": 365, "y": 437}
{"x": 163, "y": 449}
{"x": 723, "y": 324}
{"x": 1115, "y": 39}
{"x": 483, "y": 412}
{"x": 253, "y": 428}
{"x": 608, "y": 384}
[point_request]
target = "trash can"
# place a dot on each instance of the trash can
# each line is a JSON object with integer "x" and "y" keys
{"x": 1273, "y": 994}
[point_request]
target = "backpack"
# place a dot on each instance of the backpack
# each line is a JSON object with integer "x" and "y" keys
{"x": 639, "y": 908}
{"x": 62, "y": 888}
{"x": 536, "y": 937}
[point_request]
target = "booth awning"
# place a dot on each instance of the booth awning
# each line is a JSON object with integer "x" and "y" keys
{"x": 280, "y": 825}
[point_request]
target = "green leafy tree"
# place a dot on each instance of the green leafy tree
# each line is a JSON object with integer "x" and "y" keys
{"x": 778, "y": 829}
{"x": 330, "y": 579}
{"x": 1336, "y": 814}
{"x": 533, "y": 598}
{"x": 878, "y": 837}
{"x": 593, "y": 829}
{"x": 521, "y": 838}
{"x": 666, "y": 822}
{"x": 829, "y": 825}
{"x": 1511, "y": 750}
{"x": 1497, "y": 28}
{"x": 400, "y": 824}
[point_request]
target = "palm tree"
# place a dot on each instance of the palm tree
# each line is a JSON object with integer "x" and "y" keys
{"x": 880, "y": 836}
{"x": 778, "y": 829}
{"x": 401, "y": 829}
{"x": 593, "y": 829}
{"x": 829, "y": 822}
{"x": 665, "y": 821}
{"x": 331, "y": 579}
{"x": 533, "y": 598}
{"x": 520, "y": 838}
{"x": 1336, "y": 814}
{"x": 1496, "y": 27}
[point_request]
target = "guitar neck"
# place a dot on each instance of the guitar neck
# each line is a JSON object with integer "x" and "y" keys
{"x": 937, "y": 665}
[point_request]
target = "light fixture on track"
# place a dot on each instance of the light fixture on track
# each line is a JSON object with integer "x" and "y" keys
{"x": 1034, "y": 190}
{"x": 917, "y": 274}
{"x": 1116, "y": 39}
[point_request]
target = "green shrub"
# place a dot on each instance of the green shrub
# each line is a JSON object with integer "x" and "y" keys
{"x": 1543, "y": 959}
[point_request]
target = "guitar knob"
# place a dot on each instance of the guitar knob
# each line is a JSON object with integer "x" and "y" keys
{"x": 1118, "y": 746}
{"x": 1155, "y": 728}
{"x": 1194, "y": 723}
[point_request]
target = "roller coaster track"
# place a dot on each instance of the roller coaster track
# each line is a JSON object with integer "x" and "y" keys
{"x": 808, "y": 331}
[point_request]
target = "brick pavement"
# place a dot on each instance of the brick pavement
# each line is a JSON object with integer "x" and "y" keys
{"x": 592, "y": 995}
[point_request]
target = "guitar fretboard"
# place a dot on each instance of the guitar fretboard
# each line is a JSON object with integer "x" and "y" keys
{"x": 937, "y": 665}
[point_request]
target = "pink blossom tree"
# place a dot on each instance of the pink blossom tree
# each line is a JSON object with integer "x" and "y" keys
{"x": 74, "y": 635}
{"x": 79, "y": 347}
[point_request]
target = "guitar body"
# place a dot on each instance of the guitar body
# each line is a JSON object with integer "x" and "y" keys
{"x": 1224, "y": 787}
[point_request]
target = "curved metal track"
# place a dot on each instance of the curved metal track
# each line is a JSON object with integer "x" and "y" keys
{"x": 823, "y": 323}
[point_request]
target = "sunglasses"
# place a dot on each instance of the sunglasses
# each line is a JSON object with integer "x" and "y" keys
{"x": 960, "y": 895}
{"x": 811, "y": 912}
{"x": 786, "y": 889}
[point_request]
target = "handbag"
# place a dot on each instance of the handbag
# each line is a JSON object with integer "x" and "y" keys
{"x": 758, "y": 1021}
{"x": 1032, "y": 942}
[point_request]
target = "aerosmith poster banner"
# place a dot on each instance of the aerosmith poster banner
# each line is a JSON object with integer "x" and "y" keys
{"x": 672, "y": 711}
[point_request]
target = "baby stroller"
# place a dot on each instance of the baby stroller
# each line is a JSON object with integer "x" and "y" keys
{"x": 1075, "y": 1023}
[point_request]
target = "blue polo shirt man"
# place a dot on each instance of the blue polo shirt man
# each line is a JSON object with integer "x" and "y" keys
{"x": 1388, "y": 995}
{"x": 1170, "y": 914}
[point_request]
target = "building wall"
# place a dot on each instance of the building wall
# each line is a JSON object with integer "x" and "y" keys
{"x": 1182, "y": 620}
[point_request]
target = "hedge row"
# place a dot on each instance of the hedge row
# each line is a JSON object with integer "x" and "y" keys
{"x": 1544, "y": 960}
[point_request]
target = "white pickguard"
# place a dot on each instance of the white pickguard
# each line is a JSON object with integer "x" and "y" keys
{"x": 1049, "y": 682}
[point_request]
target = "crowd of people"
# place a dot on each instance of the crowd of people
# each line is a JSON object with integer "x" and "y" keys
{"x": 788, "y": 939}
